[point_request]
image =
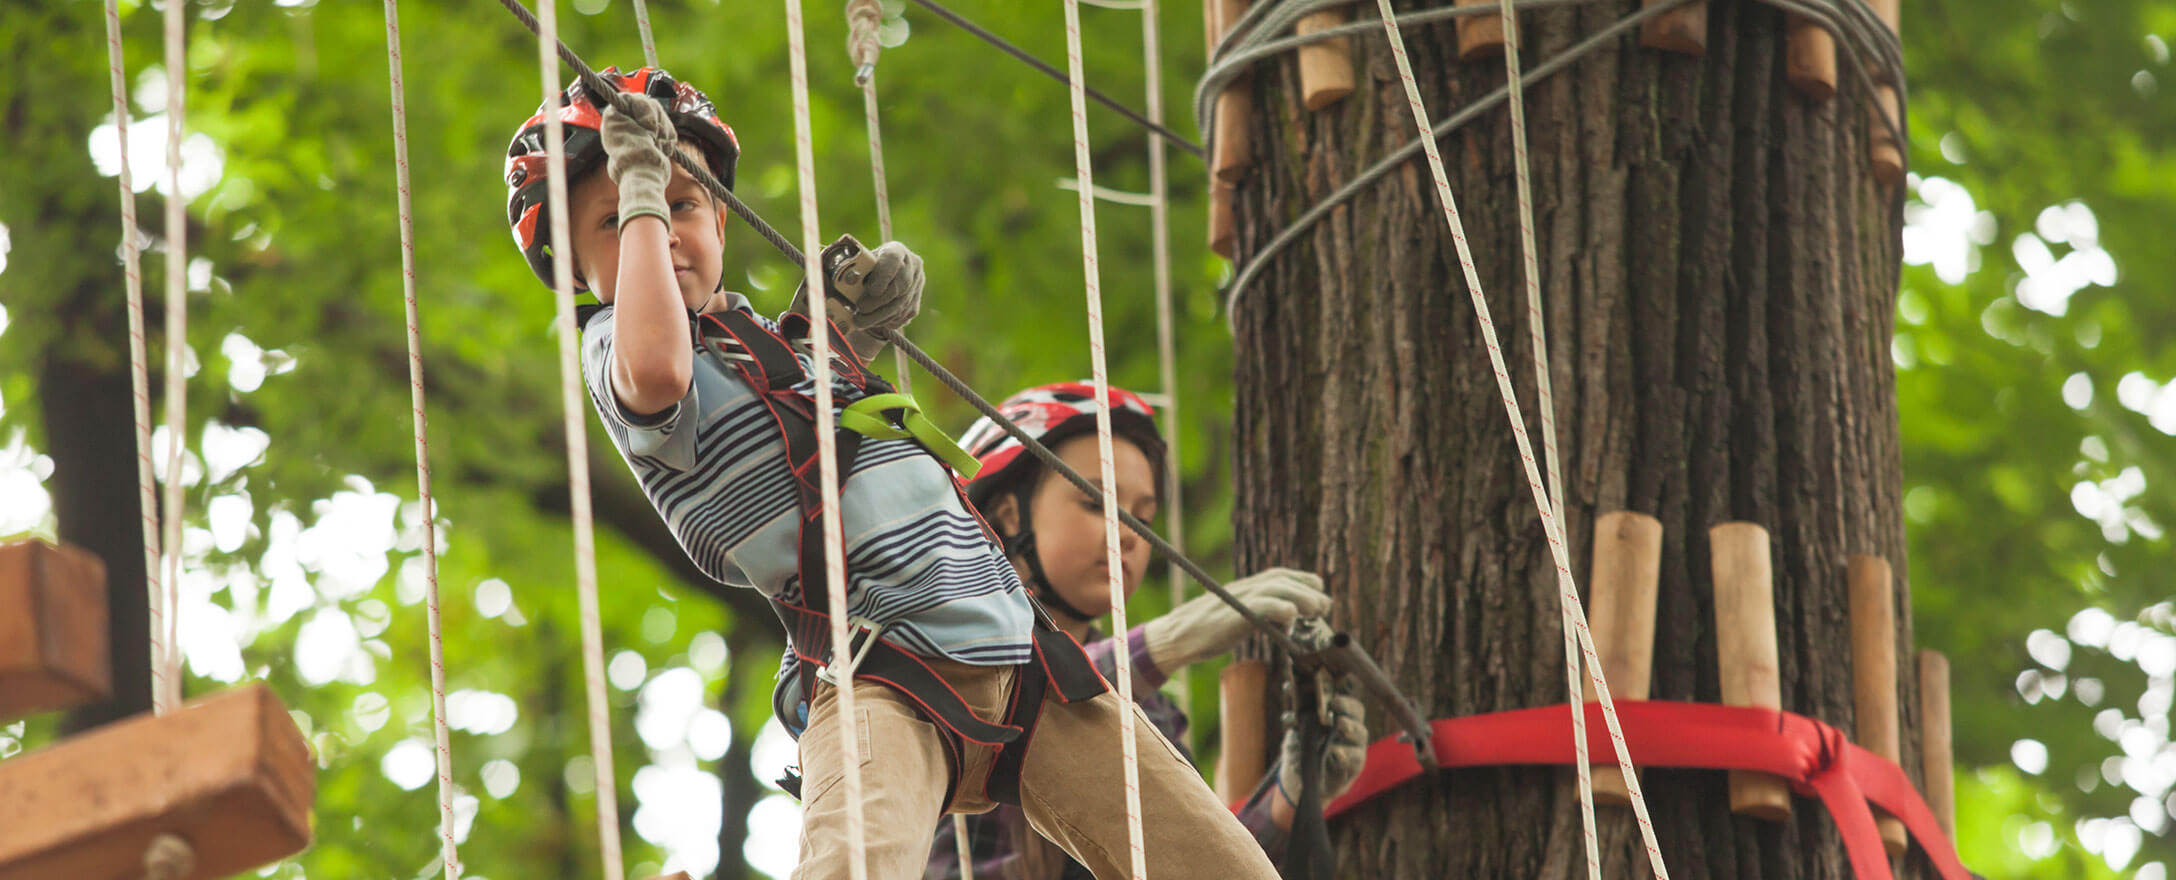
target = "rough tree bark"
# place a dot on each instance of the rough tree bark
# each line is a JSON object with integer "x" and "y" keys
{"x": 1718, "y": 269}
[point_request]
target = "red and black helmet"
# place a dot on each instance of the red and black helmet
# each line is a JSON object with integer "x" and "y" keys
{"x": 581, "y": 115}
{"x": 1051, "y": 414}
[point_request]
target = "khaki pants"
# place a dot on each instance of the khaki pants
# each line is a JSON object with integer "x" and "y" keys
{"x": 1071, "y": 787}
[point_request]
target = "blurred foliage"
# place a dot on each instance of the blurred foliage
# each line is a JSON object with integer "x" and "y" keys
{"x": 2017, "y": 105}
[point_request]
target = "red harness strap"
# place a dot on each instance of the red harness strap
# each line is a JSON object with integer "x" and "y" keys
{"x": 1816, "y": 758}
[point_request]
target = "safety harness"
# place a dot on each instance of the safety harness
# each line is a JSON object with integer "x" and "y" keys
{"x": 766, "y": 361}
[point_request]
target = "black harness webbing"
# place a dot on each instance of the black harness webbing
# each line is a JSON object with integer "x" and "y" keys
{"x": 767, "y": 363}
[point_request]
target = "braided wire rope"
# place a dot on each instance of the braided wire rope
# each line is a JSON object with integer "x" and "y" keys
{"x": 1084, "y": 170}
{"x": 139, "y": 378}
{"x": 827, "y": 453}
{"x": 166, "y": 652}
{"x": 577, "y": 440}
{"x": 1545, "y": 402}
{"x": 1551, "y": 522}
{"x": 1877, "y": 56}
{"x": 442, "y": 737}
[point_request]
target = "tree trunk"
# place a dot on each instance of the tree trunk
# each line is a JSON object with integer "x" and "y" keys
{"x": 1718, "y": 269}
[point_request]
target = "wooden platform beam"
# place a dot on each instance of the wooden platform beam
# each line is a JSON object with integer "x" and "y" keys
{"x": 230, "y": 775}
{"x": 53, "y": 646}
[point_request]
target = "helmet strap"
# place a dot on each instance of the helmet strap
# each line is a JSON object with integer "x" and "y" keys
{"x": 1021, "y": 543}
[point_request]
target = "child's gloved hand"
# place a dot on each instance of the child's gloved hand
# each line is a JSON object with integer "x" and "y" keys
{"x": 891, "y": 295}
{"x": 638, "y": 145}
{"x": 1205, "y": 627}
{"x": 1344, "y": 753}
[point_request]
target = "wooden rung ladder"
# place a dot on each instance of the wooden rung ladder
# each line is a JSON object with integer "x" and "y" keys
{"x": 230, "y": 775}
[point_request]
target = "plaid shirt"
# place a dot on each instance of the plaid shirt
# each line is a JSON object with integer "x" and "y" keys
{"x": 990, "y": 835}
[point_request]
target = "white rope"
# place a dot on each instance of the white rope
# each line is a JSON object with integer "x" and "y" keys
{"x": 826, "y": 447}
{"x": 863, "y": 18}
{"x": 139, "y": 380}
{"x": 570, "y": 398}
{"x": 442, "y": 737}
{"x": 1547, "y": 403}
{"x": 1167, "y": 366}
{"x": 1083, "y": 169}
{"x": 642, "y": 24}
{"x": 165, "y": 653}
{"x": 1552, "y": 527}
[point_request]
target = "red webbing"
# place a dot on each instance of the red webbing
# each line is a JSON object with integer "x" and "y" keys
{"x": 1815, "y": 758}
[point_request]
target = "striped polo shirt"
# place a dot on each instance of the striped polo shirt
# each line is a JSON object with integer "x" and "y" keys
{"x": 715, "y": 468}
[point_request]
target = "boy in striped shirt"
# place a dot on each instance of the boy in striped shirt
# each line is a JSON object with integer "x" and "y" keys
{"x": 710, "y": 404}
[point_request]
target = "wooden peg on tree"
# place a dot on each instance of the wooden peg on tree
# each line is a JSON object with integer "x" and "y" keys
{"x": 1887, "y": 150}
{"x": 1325, "y": 67}
{"x": 1480, "y": 36}
{"x": 1223, "y": 223}
{"x": 1745, "y": 647}
{"x": 229, "y": 775}
{"x": 1684, "y": 29}
{"x": 1873, "y": 674}
{"x": 1243, "y": 755}
{"x": 1936, "y": 759}
{"x": 53, "y": 643}
{"x": 1232, "y": 151}
{"x": 1628, "y": 563}
{"x": 1810, "y": 59}
{"x": 1621, "y": 606}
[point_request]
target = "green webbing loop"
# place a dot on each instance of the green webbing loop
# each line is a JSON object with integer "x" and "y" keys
{"x": 868, "y": 417}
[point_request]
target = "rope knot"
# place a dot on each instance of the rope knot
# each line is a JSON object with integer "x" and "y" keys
{"x": 863, "y": 19}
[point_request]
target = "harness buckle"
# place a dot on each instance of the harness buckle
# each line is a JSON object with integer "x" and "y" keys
{"x": 826, "y": 673}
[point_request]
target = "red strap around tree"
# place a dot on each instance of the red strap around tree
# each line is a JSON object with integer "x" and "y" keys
{"x": 1816, "y": 758}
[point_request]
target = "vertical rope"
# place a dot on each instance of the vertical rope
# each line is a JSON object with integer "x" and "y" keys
{"x": 827, "y": 445}
{"x": 642, "y": 24}
{"x": 139, "y": 380}
{"x": 863, "y": 18}
{"x": 1546, "y": 402}
{"x": 441, "y": 736}
{"x": 570, "y": 399}
{"x": 1084, "y": 171}
{"x": 166, "y": 655}
{"x": 1567, "y": 591}
{"x": 1159, "y": 224}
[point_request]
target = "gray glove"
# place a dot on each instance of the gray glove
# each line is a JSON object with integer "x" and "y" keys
{"x": 1205, "y": 627}
{"x": 639, "y": 145}
{"x": 1346, "y": 748}
{"x": 891, "y": 295}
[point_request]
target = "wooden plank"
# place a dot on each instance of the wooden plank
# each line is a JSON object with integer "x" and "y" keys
{"x": 1745, "y": 647}
{"x": 1624, "y": 584}
{"x": 1873, "y": 674}
{"x": 230, "y": 775}
{"x": 53, "y": 644}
